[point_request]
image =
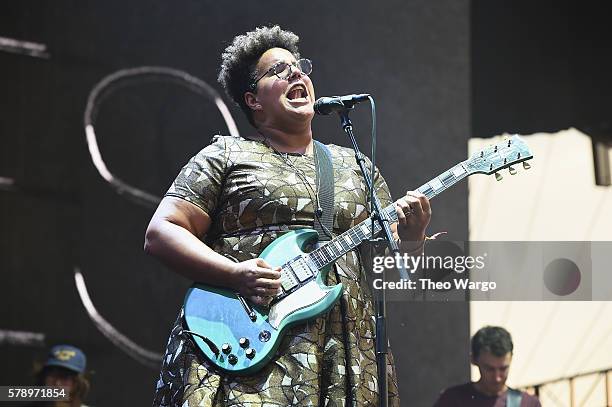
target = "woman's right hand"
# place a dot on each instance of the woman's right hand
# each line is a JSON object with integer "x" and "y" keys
{"x": 257, "y": 281}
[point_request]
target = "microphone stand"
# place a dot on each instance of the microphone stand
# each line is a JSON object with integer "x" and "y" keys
{"x": 382, "y": 344}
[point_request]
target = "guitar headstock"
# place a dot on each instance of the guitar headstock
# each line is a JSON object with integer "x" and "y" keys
{"x": 502, "y": 155}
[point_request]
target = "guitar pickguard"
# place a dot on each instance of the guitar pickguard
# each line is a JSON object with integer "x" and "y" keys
{"x": 307, "y": 295}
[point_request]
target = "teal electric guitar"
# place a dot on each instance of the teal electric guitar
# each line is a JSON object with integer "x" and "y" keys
{"x": 241, "y": 338}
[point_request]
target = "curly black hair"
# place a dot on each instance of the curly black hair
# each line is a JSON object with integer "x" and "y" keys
{"x": 240, "y": 58}
{"x": 494, "y": 339}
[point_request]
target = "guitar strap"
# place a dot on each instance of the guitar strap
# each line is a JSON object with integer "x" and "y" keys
{"x": 513, "y": 398}
{"x": 324, "y": 220}
{"x": 323, "y": 224}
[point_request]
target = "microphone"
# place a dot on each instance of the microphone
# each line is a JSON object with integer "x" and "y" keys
{"x": 327, "y": 105}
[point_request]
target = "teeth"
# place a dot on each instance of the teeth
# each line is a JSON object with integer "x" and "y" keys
{"x": 300, "y": 88}
{"x": 297, "y": 92}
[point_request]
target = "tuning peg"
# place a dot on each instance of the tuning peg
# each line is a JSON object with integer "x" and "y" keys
{"x": 498, "y": 176}
{"x": 526, "y": 165}
{"x": 512, "y": 170}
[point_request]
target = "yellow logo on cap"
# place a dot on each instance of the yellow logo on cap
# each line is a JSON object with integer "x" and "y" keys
{"x": 65, "y": 354}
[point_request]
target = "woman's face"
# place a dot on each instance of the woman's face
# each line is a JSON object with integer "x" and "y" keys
{"x": 283, "y": 100}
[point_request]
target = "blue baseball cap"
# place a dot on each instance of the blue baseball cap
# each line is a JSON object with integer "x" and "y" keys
{"x": 68, "y": 357}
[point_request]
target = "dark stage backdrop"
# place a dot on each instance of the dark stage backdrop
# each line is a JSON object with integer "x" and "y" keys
{"x": 413, "y": 56}
{"x": 541, "y": 66}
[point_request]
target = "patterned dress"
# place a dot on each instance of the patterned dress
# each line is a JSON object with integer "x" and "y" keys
{"x": 253, "y": 195}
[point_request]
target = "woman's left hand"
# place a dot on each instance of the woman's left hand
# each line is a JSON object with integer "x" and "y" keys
{"x": 414, "y": 214}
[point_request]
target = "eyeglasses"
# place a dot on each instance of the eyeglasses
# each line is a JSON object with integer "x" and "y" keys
{"x": 283, "y": 70}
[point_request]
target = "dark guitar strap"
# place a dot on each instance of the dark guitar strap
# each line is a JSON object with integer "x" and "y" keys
{"x": 323, "y": 224}
{"x": 324, "y": 214}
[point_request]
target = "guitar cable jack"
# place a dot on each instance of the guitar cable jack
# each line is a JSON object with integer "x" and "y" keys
{"x": 210, "y": 343}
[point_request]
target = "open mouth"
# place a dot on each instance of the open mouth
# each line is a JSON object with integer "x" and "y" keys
{"x": 297, "y": 93}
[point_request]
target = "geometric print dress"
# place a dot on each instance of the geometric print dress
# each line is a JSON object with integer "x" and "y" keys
{"x": 253, "y": 195}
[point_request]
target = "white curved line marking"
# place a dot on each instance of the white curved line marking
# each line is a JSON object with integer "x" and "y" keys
{"x": 94, "y": 151}
{"x": 132, "y": 349}
{"x": 120, "y": 186}
{"x": 102, "y": 89}
{"x": 22, "y": 338}
{"x": 227, "y": 116}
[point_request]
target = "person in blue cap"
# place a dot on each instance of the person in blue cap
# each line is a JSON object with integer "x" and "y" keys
{"x": 65, "y": 367}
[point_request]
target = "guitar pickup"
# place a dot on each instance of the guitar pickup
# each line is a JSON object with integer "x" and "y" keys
{"x": 301, "y": 269}
{"x": 288, "y": 280}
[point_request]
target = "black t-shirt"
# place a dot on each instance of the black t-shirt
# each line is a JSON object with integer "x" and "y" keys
{"x": 466, "y": 395}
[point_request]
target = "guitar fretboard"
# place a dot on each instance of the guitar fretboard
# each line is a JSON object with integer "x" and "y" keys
{"x": 349, "y": 240}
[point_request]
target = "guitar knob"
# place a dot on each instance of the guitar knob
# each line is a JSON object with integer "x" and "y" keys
{"x": 498, "y": 176}
{"x": 232, "y": 359}
{"x": 512, "y": 170}
{"x": 250, "y": 353}
{"x": 226, "y": 348}
{"x": 244, "y": 343}
{"x": 526, "y": 165}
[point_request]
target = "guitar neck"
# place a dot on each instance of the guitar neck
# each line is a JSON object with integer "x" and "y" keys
{"x": 444, "y": 181}
{"x": 349, "y": 240}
